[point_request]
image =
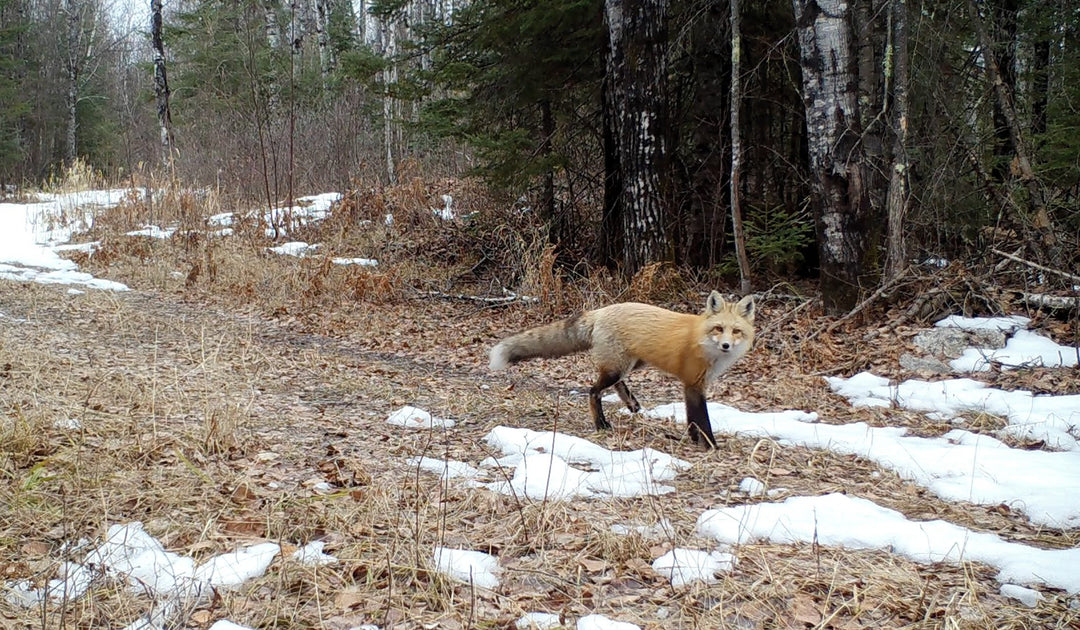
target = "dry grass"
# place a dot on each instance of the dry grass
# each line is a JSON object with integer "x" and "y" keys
{"x": 213, "y": 398}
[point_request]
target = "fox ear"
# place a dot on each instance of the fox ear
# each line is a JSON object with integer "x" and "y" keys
{"x": 715, "y": 303}
{"x": 745, "y": 308}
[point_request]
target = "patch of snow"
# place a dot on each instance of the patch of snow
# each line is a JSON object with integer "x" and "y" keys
{"x": 683, "y": 566}
{"x": 751, "y": 487}
{"x": 295, "y": 248}
{"x": 538, "y": 621}
{"x": 311, "y": 555}
{"x": 542, "y": 463}
{"x": 1023, "y": 349}
{"x": 600, "y": 622}
{"x": 840, "y": 520}
{"x": 1026, "y": 596}
{"x": 468, "y": 566}
{"x": 1008, "y": 324}
{"x": 225, "y": 624}
{"x": 67, "y": 424}
{"x": 960, "y": 466}
{"x": 153, "y": 231}
{"x": 1052, "y": 419}
{"x": 446, "y": 469}
{"x": 363, "y": 262}
{"x": 416, "y": 418}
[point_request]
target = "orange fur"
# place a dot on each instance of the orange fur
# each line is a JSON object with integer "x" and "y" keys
{"x": 622, "y": 337}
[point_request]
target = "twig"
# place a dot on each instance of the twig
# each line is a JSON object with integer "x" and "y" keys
{"x": 1035, "y": 265}
{"x": 1052, "y": 302}
{"x": 495, "y": 301}
{"x": 861, "y": 306}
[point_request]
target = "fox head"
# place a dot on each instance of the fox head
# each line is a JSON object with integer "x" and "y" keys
{"x": 729, "y": 326}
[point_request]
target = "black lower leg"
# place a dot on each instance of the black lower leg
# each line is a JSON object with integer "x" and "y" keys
{"x": 697, "y": 418}
{"x": 627, "y": 398}
{"x": 606, "y": 380}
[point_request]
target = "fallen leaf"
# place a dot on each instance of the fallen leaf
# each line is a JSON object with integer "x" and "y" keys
{"x": 35, "y": 548}
{"x": 243, "y": 494}
{"x": 805, "y": 610}
{"x": 201, "y": 617}
{"x": 593, "y": 566}
{"x": 348, "y": 598}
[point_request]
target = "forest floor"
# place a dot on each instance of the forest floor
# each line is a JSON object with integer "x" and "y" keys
{"x": 218, "y": 421}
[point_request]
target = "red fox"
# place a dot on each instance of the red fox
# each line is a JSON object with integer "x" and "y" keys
{"x": 693, "y": 348}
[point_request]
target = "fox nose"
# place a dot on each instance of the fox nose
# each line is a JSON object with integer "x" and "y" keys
{"x": 725, "y": 346}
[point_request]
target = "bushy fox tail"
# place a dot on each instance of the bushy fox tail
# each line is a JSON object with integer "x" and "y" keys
{"x": 553, "y": 340}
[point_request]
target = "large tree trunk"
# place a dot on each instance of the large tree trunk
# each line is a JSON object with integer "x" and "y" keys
{"x": 837, "y": 160}
{"x": 897, "y": 202}
{"x": 736, "y": 151}
{"x": 637, "y": 73}
{"x": 161, "y": 83}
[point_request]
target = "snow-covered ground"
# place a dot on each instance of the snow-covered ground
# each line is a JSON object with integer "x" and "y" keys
{"x": 1042, "y": 485}
{"x": 31, "y": 234}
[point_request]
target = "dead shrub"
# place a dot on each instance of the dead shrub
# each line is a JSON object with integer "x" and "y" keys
{"x": 657, "y": 282}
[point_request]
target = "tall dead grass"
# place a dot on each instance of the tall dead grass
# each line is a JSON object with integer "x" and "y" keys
{"x": 209, "y": 408}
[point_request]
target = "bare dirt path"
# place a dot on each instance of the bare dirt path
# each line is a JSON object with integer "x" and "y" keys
{"x": 217, "y": 428}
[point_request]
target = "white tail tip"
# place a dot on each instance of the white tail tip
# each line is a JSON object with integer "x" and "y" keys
{"x": 498, "y": 358}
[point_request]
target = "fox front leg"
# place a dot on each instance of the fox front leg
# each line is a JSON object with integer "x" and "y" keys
{"x": 628, "y": 398}
{"x": 697, "y": 418}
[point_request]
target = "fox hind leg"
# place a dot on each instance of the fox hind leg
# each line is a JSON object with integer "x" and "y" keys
{"x": 628, "y": 398}
{"x": 606, "y": 379}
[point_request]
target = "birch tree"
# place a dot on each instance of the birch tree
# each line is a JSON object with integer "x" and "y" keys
{"x": 736, "y": 150}
{"x": 161, "y": 83}
{"x": 837, "y": 160}
{"x": 79, "y": 25}
{"x": 637, "y": 84}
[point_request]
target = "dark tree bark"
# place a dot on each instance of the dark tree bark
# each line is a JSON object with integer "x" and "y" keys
{"x": 1001, "y": 52}
{"x": 838, "y": 165}
{"x": 161, "y": 83}
{"x": 611, "y": 240}
{"x": 897, "y": 202}
{"x": 637, "y": 84}
{"x": 999, "y": 77}
{"x": 322, "y": 20}
{"x": 73, "y": 64}
{"x": 1041, "y": 86}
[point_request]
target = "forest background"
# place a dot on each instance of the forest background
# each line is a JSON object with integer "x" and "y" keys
{"x": 866, "y": 135}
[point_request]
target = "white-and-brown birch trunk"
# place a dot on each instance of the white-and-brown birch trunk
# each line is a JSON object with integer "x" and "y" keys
{"x": 322, "y": 21}
{"x": 72, "y": 65}
{"x": 736, "y": 151}
{"x": 837, "y": 160}
{"x": 391, "y": 108}
{"x": 637, "y": 31}
{"x": 161, "y": 83}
